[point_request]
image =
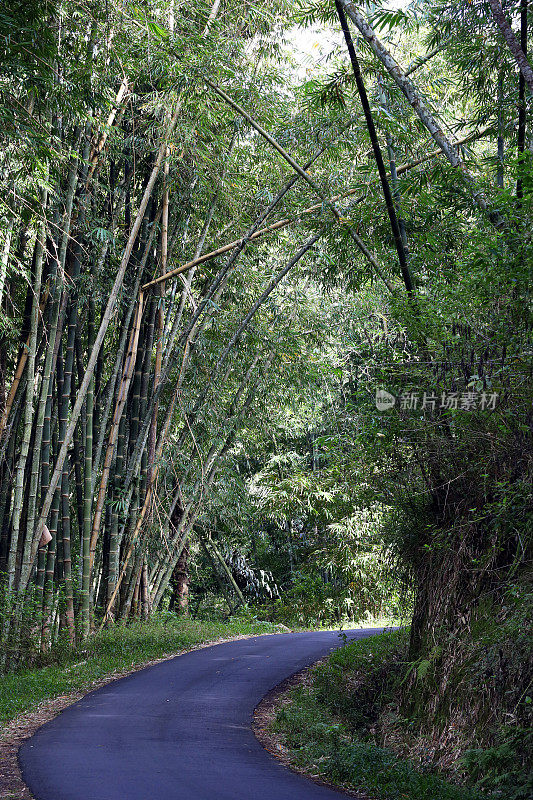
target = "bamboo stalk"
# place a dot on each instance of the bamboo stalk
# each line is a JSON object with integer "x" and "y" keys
{"x": 517, "y": 48}
{"x": 127, "y": 373}
{"x": 283, "y": 223}
{"x": 48, "y": 593}
{"x": 500, "y": 142}
{"x": 131, "y": 585}
{"x": 18, "y": 491}
{"x": 95, "y": 352}
{"x": 78, "y": 443}
{"x": 6, "y": 476}
{"x": 18, "y": 374}
{"x": 391, "y": 210}
{"x": 522, "y": 109}
{"x": 160, "y": 315}
{"x": 189, "y": 518}
{"x": 222, "y": 587}
{"x": 114, "y": 542}
{"x": 228, "y": 572}
{"x": 88, "y": 493}
{"x": 417, "y": 102}
{"x": 4, "y": 261}
{"x": 145, "y": 591}
{"x": 65, "y": 478}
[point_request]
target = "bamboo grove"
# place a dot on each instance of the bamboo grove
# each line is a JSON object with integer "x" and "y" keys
{"x": 157, "y": 194}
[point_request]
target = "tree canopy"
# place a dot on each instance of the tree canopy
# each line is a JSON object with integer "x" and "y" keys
{"x": 266, "y": 327}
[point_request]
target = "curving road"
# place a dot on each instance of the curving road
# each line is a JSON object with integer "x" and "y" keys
{"x": 180, "y": 730}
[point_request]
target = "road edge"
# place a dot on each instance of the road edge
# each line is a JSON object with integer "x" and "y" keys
{"x": 24, "y": 726}
{"x": 263, "y": 716}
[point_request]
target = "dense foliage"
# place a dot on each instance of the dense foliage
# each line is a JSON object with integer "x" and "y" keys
{"x": 266, "y": 335}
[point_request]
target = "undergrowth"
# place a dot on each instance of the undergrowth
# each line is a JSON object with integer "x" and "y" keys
{"x": 472, "y": 695}
{"x": 337, "y": 726}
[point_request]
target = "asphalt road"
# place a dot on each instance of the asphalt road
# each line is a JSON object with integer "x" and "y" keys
{"x": 180, "y": 730}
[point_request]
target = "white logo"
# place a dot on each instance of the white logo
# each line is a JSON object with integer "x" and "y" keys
{"x": 384, "y": 400}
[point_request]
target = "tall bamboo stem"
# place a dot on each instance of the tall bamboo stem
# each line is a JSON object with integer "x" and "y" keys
{"x": 106, "y": 318}
{"x": 28, "y": 407}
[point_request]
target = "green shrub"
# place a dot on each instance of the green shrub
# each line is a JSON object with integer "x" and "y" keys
{"x": 327, "y": 725}
{"x": 325, "y": 747}
{"x": 380, "y": 658}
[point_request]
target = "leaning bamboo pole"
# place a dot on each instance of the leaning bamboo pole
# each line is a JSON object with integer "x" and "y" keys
{"x": 19, "y": 371}
{"x": 146, "y": 603}
{"x": 4, "y": 261}
{"x": 516, "y": 47}
{"x": 160, "y": 316}
{"x": 403, "y": 256}
{"x": 227, "y": 570}
{"x": 283, "y": 223}
{"x": 221, "y": 585}
{"x": 420, "y": 107}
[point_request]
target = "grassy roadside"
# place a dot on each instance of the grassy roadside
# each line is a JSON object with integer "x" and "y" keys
{"x": 327, "y": 725}
{"x": 113, "y": 651}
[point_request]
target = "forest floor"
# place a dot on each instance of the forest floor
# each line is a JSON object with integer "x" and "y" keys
{"x": 32, "y": 696}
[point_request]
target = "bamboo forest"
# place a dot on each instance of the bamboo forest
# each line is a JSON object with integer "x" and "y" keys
{"x": 266, "y": 382}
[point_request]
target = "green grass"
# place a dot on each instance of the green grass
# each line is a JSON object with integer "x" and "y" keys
{"x": 326, "y": 725}
{"x": 112, "y": 651}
